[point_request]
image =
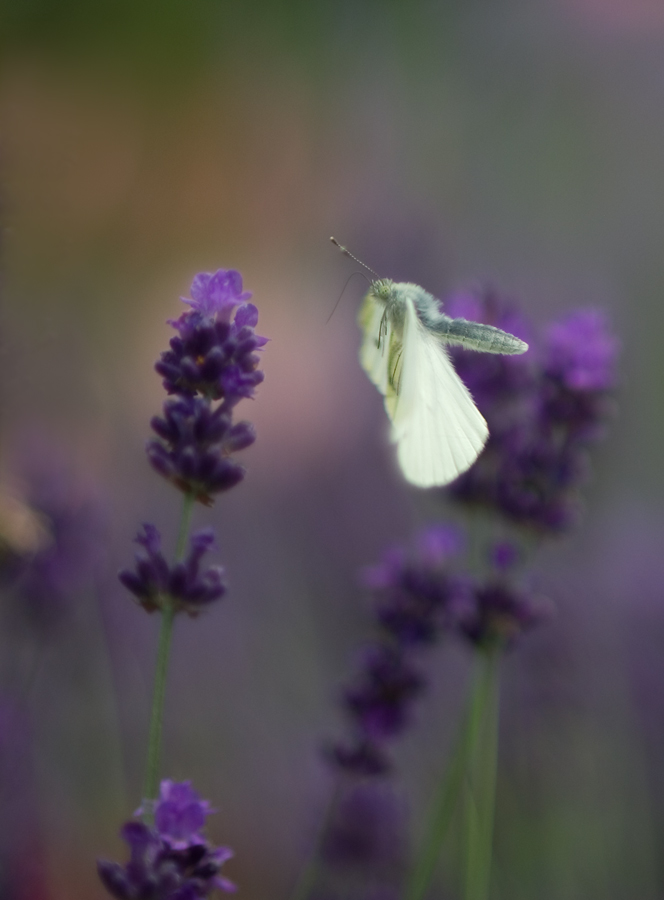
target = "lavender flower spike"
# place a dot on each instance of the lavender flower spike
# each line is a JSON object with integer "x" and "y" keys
{"x": 153, "y": 582}
{"x": 217, "y": 292}
{"x": 213, "y": 357}
{"x": 171, "y": 861}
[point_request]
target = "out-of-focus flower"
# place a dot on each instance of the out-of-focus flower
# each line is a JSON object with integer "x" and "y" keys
{"x": 179, "y": 814}
{"x": 366, "y": 831}
{"x": 417, "y": 597}
{"x": 52, "y": 532}
{"x": 154, "y": 583}
{"x": 501, "y": 613}
{"x": 380, "y": 701}
{"x": 543, "y": 409}
{"x": 416, "y": 594}
{"x": 171, "y": 861}
{"x": 581, "y": 353}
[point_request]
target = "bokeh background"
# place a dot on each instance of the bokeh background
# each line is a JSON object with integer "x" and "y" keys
{"x": 444, "y": 143}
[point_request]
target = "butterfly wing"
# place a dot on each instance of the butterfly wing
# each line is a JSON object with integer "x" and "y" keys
{"x": 438, "y": 430}
{"x": 381, "y": 347}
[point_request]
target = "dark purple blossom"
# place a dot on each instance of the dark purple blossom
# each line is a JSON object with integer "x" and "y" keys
{"x": 362, "y": 757}
{"x": 501, "y": 613}
{"x": 417, "y": 597}
{"x": 380, "y": 700}
{"x": 195, "y": 446}
{"x": 416, "y": 594}
{"x": 212, "y": 358}
{"x": 581, "y": 352}
{"x": 544, "y": 409}
{"x": 366, "y": 831}
{"x": 157, "y": 870}
{"x": 504, "y": 555}
{"x": 154, "y": 583}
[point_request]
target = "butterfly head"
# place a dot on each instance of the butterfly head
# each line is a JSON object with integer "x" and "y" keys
{"x": 383, "y": 289}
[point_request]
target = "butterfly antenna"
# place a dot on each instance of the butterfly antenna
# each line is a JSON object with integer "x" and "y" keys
{"x": 350, "y": 255}
{"x": 362, "y": 275}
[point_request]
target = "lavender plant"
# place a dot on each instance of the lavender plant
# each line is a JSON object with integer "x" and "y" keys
{"x": 210, "y": 366}
{"x": 545, "y": 410}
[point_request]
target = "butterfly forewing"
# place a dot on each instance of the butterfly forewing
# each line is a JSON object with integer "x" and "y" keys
{"x": 438, "y": 430}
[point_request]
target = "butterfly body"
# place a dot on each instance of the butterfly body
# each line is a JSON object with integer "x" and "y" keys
{"x": 438, "y": 430}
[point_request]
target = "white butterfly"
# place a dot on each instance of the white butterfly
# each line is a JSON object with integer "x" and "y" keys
{"x": 438, "y": 430}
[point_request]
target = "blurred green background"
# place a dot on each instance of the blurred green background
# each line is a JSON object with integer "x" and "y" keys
{"x": 443, "y": 142}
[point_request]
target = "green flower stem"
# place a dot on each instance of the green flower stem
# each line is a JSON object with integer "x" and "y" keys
{"x": 481, "y": 793}
{"x": 450, "y": 788}
{"x": 161, "y": 669}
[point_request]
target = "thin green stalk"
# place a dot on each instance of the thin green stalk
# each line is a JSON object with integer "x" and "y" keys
{"x": 447, "y": 796}
{"x": 161, "y": 668}
{"x": 481, "y": 794}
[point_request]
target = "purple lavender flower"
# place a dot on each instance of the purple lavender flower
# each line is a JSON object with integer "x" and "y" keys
{"x": 543, "y": 409}
{"x": 179, "y": 814}
{"x": 581, "y": 352}
{"x": 360, "y": 757}
{"x": 212, "y": 358}
{"x": 379, "y": 702}
{"x": 366, "y": 831}
{"x": 158, "y": 871}
{"x": 415, "y": 593}
{"x": 195, "y": 444}
{"x": 172, "y": 860}
{"x": 217, "y": 292}
{"x": 154, "y": 583}
{"x": 416, "y": 599}
{"x": 501, "y": 613}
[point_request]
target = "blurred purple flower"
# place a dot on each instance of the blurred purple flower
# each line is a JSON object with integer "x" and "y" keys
{"x": 179, "y": 814}
{"x": 152, "y": 580}
{"x": 543, "y": 409}
{"x": 502, "y": 613}
{"x": 380, "y": 700}
{"x": 366, "y": 831}
{"x": 51, "y": 533}
{"x": 503, "y": 555}
{"x": 581, "y": 353}
{"x": 158, "y": 871}
{"x": 171, "y": 861}
{"x": 362, "y": 758}
{"x": 416, "y": 594}
{"x": 416, "y": 599}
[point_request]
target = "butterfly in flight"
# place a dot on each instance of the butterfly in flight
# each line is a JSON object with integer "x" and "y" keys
{"x": 438, "y": 430}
